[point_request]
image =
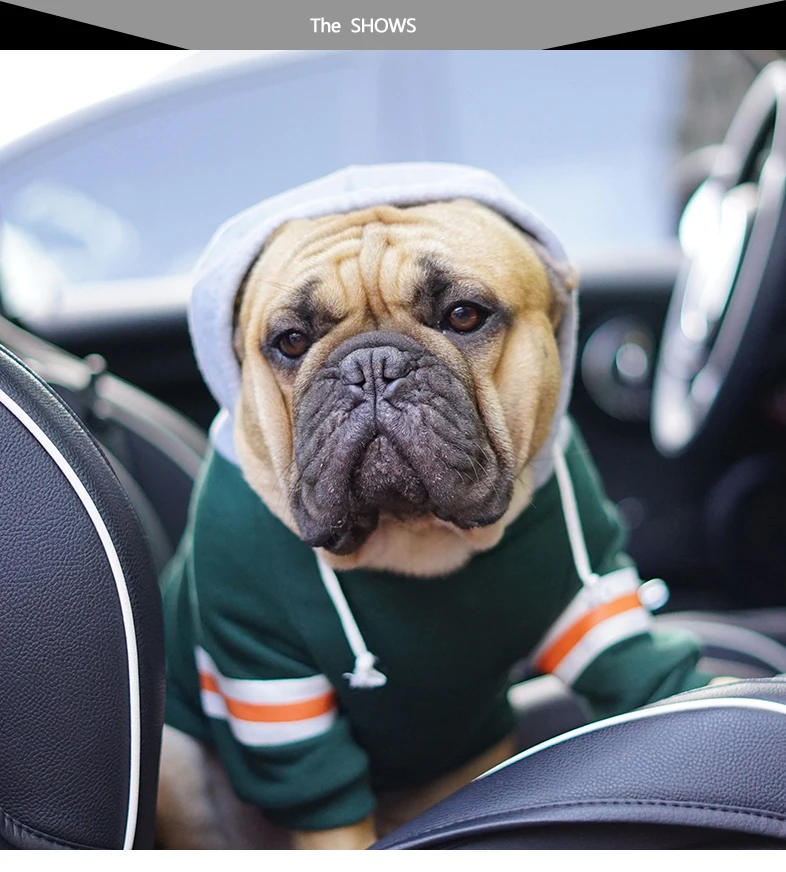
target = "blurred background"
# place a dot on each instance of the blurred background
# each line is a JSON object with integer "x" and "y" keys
{"x": 602, "y": 143}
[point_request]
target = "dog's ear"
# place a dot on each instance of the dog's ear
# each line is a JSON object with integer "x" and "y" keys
{"x": 563, "y": 278}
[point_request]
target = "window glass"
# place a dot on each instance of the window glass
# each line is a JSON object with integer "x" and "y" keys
{"x": 590, "y": 139}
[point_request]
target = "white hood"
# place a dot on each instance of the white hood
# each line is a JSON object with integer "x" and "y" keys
{"x": 238, "y": 242}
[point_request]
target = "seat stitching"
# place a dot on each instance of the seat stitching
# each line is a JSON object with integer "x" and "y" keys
{"x": 490, "y": 818}
{"x": 7, "y": 820}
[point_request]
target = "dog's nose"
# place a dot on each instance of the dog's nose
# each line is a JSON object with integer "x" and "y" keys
{"x": 378, "y": 367}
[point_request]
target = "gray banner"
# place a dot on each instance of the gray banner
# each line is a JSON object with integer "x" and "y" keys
{"x": 359, "y": 24}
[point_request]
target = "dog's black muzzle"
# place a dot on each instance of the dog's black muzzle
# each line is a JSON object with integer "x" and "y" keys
{"x": 386, "y": 425}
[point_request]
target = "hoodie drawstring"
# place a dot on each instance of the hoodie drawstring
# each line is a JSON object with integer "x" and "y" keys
{"x": 570, "y": 512}
{"x": 364, "y": 675}
{"x": 653, "y": 594}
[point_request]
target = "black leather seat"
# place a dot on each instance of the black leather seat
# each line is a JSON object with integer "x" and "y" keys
{"x": 703, "y": 770}
{"x": 155, "y": 451}
{"x": 81, "y": 643}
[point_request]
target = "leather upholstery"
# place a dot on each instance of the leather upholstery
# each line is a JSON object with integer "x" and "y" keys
{"x": 672, "y": 775}
{"x": 67, "y": 719}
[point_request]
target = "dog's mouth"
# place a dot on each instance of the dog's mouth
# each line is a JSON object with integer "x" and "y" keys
{"x": 386, "y": 479}
{"x": 386, "y": 427}
{"x": 382, "y": 483}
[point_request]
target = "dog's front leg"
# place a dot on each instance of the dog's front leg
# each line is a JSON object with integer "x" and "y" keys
{"x": 197, "y": 807}
{"x": 396, "y": 807}
{"x": 355, "y": 837}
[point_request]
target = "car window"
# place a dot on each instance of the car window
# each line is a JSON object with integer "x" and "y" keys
{"x": 139, "y": 194}
{"x": 588, "y": 138}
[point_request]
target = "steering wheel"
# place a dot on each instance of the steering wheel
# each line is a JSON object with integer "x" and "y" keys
{"x": 733, "y": 283}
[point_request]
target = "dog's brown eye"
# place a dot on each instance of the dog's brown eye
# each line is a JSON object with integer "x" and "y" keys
{"x": 293, "y": 344}
{"x": 465, "y": 318}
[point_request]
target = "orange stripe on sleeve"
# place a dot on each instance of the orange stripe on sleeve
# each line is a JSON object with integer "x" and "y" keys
{"x": 561, "y": 647}
{"x": 282, "y": 712}
{"x": 207, "y": 682}
{"x": 272, "y": 713}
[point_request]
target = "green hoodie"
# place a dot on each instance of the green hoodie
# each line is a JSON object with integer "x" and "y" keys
{"x": 258, "y": 657}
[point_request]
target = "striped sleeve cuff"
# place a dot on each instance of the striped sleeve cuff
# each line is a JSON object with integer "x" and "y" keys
{"x": 599, "y": 616}
{"x": 266, "y": 713}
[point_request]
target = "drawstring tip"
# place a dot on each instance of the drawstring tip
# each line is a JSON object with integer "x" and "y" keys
{"x": 365, "y": 675}
{"x": 654, "y": 594}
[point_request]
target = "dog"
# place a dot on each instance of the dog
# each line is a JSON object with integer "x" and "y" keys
{"x": 394, "y": 472}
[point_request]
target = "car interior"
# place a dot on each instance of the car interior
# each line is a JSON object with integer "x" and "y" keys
{"x": 680, "y": 394}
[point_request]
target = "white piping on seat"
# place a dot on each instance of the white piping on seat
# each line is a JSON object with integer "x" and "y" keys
{"x": 644, "y": 714}
{"x": 125, "y": 606}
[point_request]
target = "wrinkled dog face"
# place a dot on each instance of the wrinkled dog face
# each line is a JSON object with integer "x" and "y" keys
{"x": 399, "y": 368}
{"x": 387, "y": 426}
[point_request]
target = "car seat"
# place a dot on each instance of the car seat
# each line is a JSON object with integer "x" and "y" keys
{"x": 700, "y": 770}
{"x": 81, "y": 642}
{"x": 155, "y": 451}
{"x": 155, "y": 454}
